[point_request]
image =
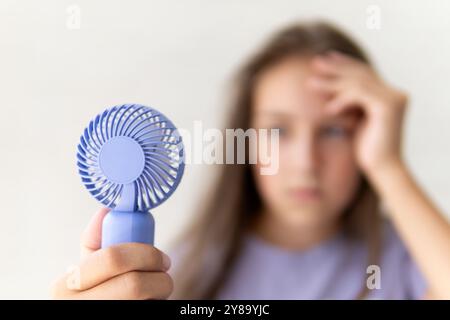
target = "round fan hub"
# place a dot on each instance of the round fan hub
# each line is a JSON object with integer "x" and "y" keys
{"x": 121, "y": 159}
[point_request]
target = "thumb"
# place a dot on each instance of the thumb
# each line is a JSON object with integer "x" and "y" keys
{"x": 91, "y": 238}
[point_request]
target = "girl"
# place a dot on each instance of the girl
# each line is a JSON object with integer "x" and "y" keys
{"x": 314, "y": 230}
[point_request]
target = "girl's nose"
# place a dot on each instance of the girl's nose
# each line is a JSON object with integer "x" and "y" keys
{"x": 303, "y": 156}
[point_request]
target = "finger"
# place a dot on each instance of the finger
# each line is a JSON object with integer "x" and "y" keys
{"x": 91, "y": 238}
{"x": 131, "y": 285}
{"x": 349, "y": 65}
{"x": 323, "y": 85}
{"x": 337, "y": 64}
{"x": 326, "y": 66}
{"x": 346, "y": 60}
{"x": 110, "y": 262}
{"x": 340, "y": 56}
{"x": 344, "y": 102}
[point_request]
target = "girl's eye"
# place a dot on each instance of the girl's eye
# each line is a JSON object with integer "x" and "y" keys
{"x": 334, "y": 132}
{"x": 282, "y": 131}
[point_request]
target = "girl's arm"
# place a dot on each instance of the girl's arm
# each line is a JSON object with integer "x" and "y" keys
{"x": 422, "y": 227}
{"x": 426, "y": 233}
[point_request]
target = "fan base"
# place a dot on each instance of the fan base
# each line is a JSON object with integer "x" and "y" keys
{"x": 123, "y": 226}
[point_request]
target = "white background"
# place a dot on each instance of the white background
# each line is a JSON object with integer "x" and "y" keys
{"x": 176, "y": 57}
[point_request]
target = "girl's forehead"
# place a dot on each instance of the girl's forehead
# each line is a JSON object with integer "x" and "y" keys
{"x": 297, "y": 104}
{"x": 349, "y": 119}
{"x": 282, "y": 90}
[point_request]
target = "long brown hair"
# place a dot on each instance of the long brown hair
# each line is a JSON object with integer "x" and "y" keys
{"x": 213, "y": 242}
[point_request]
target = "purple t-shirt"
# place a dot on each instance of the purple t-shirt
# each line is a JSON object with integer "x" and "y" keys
{"x": 334, "y": 269}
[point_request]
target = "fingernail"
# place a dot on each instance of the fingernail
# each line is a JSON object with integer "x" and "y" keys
{"x": 166, "y": 261}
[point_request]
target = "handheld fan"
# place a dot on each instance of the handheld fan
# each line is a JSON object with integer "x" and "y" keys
{"x": 131, "y": 159}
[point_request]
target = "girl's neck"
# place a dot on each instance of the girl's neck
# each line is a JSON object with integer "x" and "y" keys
{"x": 291, "y": 237}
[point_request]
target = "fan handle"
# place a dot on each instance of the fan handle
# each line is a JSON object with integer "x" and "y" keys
{"x": 125, "y": 226}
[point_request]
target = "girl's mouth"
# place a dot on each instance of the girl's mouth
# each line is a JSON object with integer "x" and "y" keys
{"x": 305, "y": 193}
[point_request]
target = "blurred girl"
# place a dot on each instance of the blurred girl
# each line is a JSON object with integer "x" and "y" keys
{"x": 315, "y": 229}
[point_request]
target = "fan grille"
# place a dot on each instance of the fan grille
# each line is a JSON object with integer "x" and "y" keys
{"x": 161, "y": 145}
